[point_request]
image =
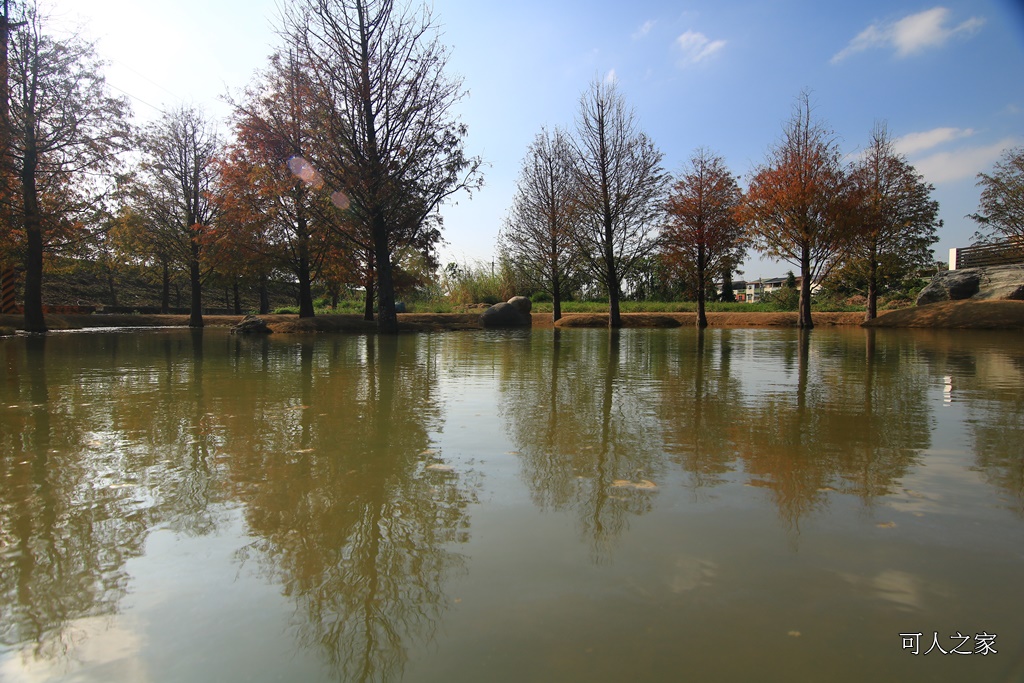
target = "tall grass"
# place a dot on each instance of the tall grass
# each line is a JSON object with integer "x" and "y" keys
{"x": 476, "y": 283}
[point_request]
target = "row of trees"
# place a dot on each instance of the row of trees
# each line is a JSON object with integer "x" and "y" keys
{"x": 597, "y": 200}
{"x": 346, "y": 144}
{"x": 344, "y": 148}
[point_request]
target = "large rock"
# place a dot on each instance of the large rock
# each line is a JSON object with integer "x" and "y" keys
{"x": 251, "y": 324}
{"x": 990, "y": 283}
{"x": 522, "y": 303}
{"x": 513, "y": 313}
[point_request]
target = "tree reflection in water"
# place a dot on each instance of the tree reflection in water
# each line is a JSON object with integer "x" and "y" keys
{"x": 323, "y": 447}
{"x": 581, "y": 424}
{"x": 350, "y": 522}
{"x": 64, "y": 536}
{"x": 855, "y": 421}
{"x": 326, "y": 446}
{"x": 678, "y": 396}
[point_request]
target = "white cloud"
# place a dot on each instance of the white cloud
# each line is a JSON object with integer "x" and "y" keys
{"x": 911, "y": 34}
{"x": 966, "y": 162}
{"x": 644, "y": 30}
{"x": 610, "y": 78}
{"x": 696, "y": 47}
{"x": 918, "y": 142}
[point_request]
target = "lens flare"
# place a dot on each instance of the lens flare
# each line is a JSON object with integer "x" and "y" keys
{"x": 340, "y": 200}
{"x": 304, "y": 171}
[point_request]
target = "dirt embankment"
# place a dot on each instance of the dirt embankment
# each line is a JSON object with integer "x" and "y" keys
{"x": 412, "y": 322}
{"x": 967, "y": 314}
{"x": 950, "y": 314}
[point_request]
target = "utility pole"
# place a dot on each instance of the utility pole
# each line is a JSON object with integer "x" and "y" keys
{"x": 7, "y": 273}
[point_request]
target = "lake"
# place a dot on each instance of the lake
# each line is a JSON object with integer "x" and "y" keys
{"x": 555, "y": 505}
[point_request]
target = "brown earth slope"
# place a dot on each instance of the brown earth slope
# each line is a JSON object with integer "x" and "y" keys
{"x": 967, "y": 314}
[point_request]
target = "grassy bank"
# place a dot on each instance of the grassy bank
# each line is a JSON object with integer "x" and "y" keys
{"x": 952, "y": 315}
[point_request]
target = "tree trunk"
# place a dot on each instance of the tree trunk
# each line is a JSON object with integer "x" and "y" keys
{"x": 368, "y": 299}
{"x": 34, "y": 320}
{"x": 264, "y": 295}
{"x": 872, "y": 309}
{"x": 370, "y": 285}
{"x": 556, "y": 297}
{"x": 305, "y": 286}
{"x": 702, "y": 318}
{"x": 556, "y": 280}
{"x": 387, "y": 318}
{"x": 305, "y": 289}
{"x": 804, "y": 318}
{"x": 614, "y": 317}
{"x": 165, "y": 288}
{"x": 195, "y": 318}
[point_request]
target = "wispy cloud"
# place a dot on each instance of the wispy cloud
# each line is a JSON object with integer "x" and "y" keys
{"x": 911, "y": 143}
{"x": 959, "y": 164}
{"x": 644, "y": 29}
{"x": 610, "y": 78}
{"x": 911, "y": 34}
{"x": 696, "y": 47}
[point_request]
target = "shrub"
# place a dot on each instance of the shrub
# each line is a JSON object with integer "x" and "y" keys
{"x": 783, "y": 299}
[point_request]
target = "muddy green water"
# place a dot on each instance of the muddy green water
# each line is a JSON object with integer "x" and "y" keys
{"x": 745, "y": 505}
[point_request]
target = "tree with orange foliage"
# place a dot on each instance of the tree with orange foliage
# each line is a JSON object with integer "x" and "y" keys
{"x": 65, "y": 131}
{"x": 800, "y": 206}
{"x": 274, "y": 205}
{"x": 702, "y": 233}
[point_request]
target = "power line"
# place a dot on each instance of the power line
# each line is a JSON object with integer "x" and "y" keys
{"x": 147, "y": 78}
{"x": 136, "y": 98}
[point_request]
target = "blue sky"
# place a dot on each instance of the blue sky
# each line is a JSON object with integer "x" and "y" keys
{"x": 947, "y": 79}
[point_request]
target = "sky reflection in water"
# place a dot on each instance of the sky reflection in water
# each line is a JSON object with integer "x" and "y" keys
{"x": 475, "y": 506}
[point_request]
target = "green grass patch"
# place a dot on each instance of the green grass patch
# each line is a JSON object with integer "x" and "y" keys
{"x": 654, "y": 307}
{"x": 444, "y": 305}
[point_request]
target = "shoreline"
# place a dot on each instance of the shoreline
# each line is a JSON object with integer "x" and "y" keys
{"x": 1005, "y": 315}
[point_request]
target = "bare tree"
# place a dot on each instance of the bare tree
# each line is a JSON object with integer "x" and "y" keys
{"x": 702, "y": 233}
{"x": 619, "y": 184}
{"x": 799, "y": 206}
{"x": 65, "y": 132}
{"x": 391, "y": 145}
{"x": 897, "y": 217}
{"x": 538, "y": 239}
{"x": 178, "y": 176}
{"x": 1001, "y": 208}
